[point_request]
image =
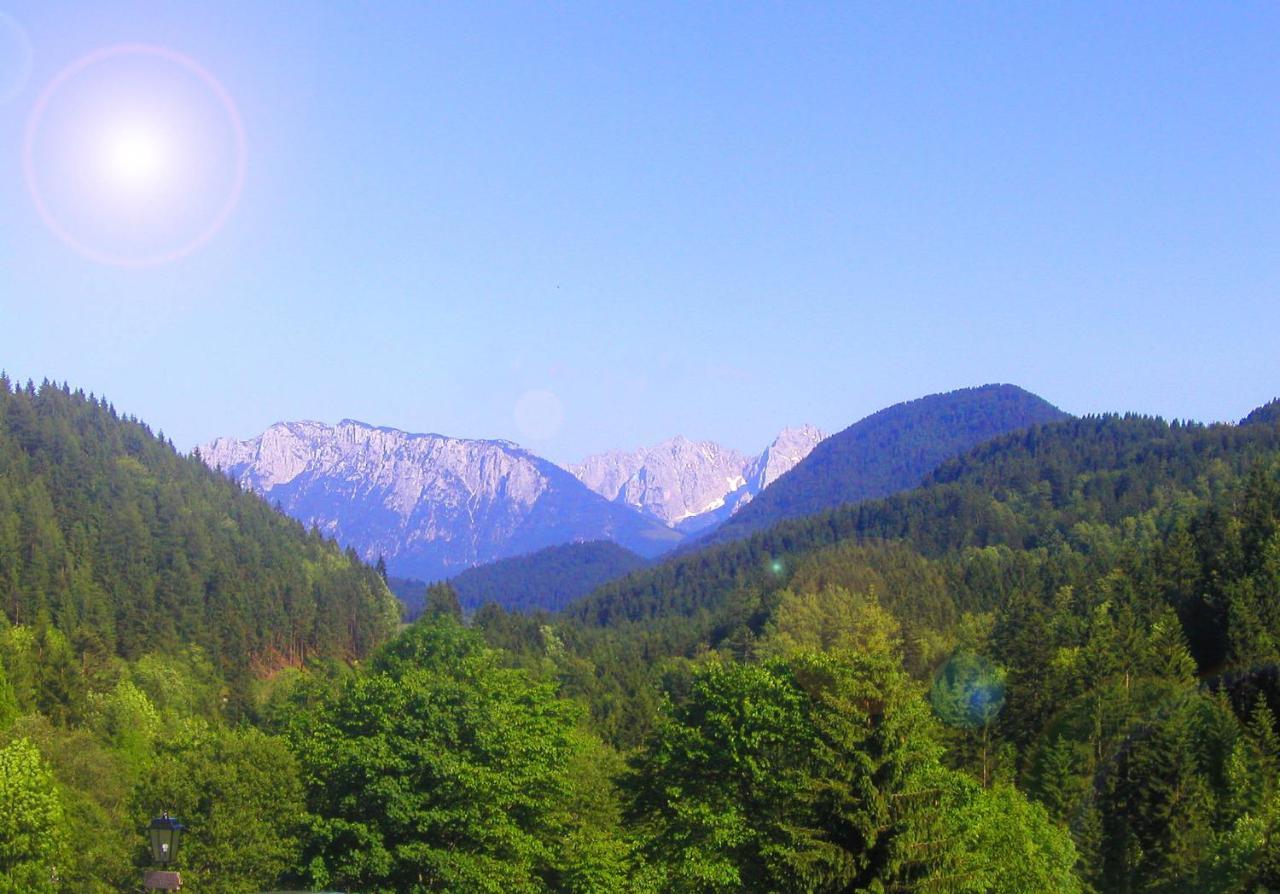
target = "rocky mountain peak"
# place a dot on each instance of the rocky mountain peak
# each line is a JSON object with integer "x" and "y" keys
{"x": 788, "y": 448}
{"x": 429, "y": 503}
{"x": 692, "y": 484}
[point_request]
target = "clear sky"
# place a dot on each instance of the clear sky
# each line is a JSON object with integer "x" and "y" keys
{"x": 707, "y": 219}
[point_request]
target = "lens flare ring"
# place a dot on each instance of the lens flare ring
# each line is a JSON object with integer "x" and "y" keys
{"x": 16, "y": 45}
{"x": 224, "y": 101}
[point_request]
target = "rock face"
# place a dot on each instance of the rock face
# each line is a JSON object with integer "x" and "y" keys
{"x": 691, "y": 485}
{"x": 430, "y": 504}
{"x": 788, "y": 448}
{"x": 671, "y": 481}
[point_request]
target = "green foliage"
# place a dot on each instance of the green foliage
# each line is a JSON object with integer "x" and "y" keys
{"x": 8, "y": 700}
{"x": 821, "y": 773}
{"x": 442, "y": 599}
{"x": 440, "y": 770}
{"x": 239, "y": 794}
{"x": 92, "y": 784}
{"x": 1158, "y": 801}
{"x": 1006, "y": 844}
{"x": 109, "y": 536}
{"x": 127, "y": 720}
{"x": 31, "y": 834}
{"x": 830, "y": 620}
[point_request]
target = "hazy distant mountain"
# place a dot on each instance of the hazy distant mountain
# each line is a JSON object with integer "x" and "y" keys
{"x": 431, "y": 505}
{"x": 889, "y": 451}
{"x": 691, "y": 485}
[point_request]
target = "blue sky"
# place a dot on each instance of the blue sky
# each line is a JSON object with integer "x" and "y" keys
{"x": 710, "y": 219}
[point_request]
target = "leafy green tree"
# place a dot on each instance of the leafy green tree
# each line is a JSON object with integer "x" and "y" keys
{"x": 442, "y": 599}
{"x": 127, "y": 720}
{"x": 93, "y": 785}
{"x": 8, "y": 700}
{"x": 239, "y": 793}
{"x": 31, "y": 831}
{"x": 821, "y": 773}
{"x": 1007, "y": 845}
{"x": 21, "y": 665}
{"x": 440, "y": 770}
{"x": 830, "y": 619}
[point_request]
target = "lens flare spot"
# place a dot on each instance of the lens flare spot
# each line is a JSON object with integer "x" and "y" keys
{"x": 968, "y": 691}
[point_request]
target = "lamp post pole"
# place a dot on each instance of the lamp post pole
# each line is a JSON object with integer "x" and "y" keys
{"x": 165, "y": 832}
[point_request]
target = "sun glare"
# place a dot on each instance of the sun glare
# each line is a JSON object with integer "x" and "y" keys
{"x": 134, "y": 155}
{"x": 136, "y": 158}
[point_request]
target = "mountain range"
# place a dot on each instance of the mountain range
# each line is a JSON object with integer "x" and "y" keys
{"x": 1115, "y": 564}
{"x": 431, "y": 505}
{"x": 434, "y": 506}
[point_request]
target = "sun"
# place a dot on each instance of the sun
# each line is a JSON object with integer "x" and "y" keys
{"x": 135, "y": 158}
{"x": 134, "y": 155}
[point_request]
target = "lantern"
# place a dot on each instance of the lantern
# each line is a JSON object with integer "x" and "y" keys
{"x": 165, "y": 833}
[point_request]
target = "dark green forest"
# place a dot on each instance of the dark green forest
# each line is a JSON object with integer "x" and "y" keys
{"x": 1051, "y": 668}
{"x": 549, "y": 579}
{"x": 546, "y": 580}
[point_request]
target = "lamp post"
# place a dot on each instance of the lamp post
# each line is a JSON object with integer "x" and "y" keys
{"x": 165, "y": 833}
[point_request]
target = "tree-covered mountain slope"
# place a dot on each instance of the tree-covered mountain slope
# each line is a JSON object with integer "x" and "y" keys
{"x": 1268, "y": 412}
{"x": 127, "y": 547}
{"x": 1023, "y": 490}
{"x": 889, "y": 451}
{"x": 1090, "y": 606}
{"x": 547, "y": 580}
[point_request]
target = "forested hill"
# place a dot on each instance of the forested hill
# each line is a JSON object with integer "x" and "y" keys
{"x": 888, "y": 452}
{"x": 1269, "y": 412}
{"x": 1024, "y": 490}
{"x": 547, "y": 580}
{"x": 113, "y": 538}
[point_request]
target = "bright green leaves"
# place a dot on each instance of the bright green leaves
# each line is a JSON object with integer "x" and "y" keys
{"x": 31, "y": 833}
{"x": 822, "y": 774}
{"x": 239, "y": 794}
{"x": 719, "y": 794}
{"x": 441, "y": 770}
{"x": 831, "y": 619}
